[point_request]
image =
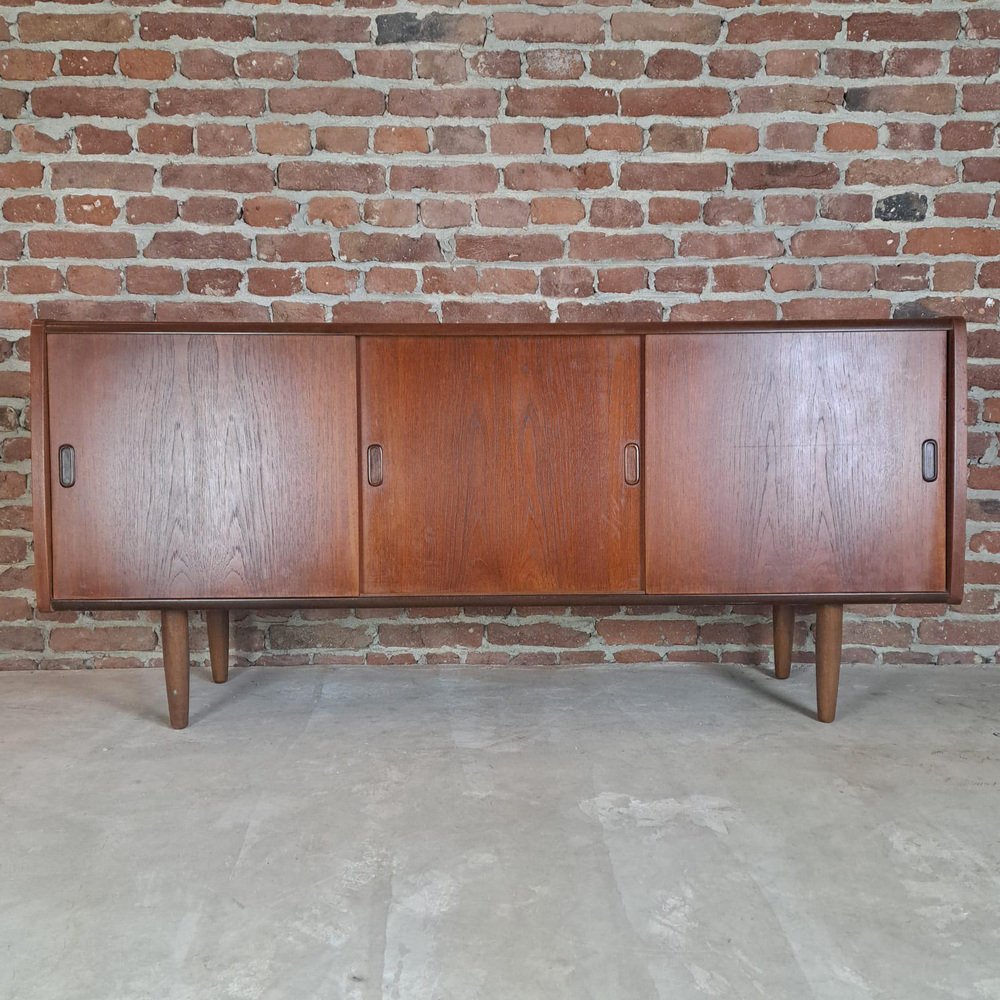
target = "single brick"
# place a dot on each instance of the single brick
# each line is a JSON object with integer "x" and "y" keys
{"x": 301, "y": 175}
{"x": 691, "y": 29}
{"x": 782, "y": 174}
{"x": 533, "y": 247}
{"x": 324, "y": 64}
{"x": 223, "y": 140}
{"x": 585, "y": 29}
{"x": 103, "y": 102}
{"x": 927, "y": 26}
{"x": 263, "y": 65}
{"x": 791, "y": 97}
{"x": 906, "y": 207}
{"x": 547, "y": 176}
{"x": 461, "y": 102}
{"x": 466, "y": 179}
{"x": 310, "y": 247}
{"x": 210, "y": 211}
{"x": 268, "y": 212}
{"x": 408, "y": 28}
{"x": 90, "y": 209}
{"x": 942, "y": 240}
{"x": 672, "y": 176}
{"x": 86, "y": 62}
{"x": 463, "y": 140}
{"x": 625, "y": 138}
{"x": 671, "y": 102}
{"x": 389, "y": 213}
{"x": 96, "y": 244}
{"x": 156, "y": 138}
{"x": 74, "y": 27}
{"x": 198, "y": 246}
{"x": 674, "y": 64}
{"x": 88, "y": 279}
{"x": 91, "y": 139}
{"x": 748, "y": 29}
{"x": 885, "y": 172}
{"x": 389, "y": 247}
{"x": 556, "y": 211}
{"x": 157, "y": 210}
{"x": 25, "y": 64}
{"x": 145, "y": 64}
{"x": 561, "y": 102}
{"x": 30, "y": 208}
{"x": 341, "y": 139}
{"x": 244, "y": 178}
{"x": 555, "y": 64}
{"x": 837, "y": 243}
{"x": 676, "y": 139}
{"x": 727, "y": 246}
{"x": 102, "y": 174}
{"x": 608, "y": 246}
{"x": 502, "y": 213}
{"x": 331, "y": 280}
{"x": 288, "y": 140}
{"x": 928, "y": 98}
{"x": 156, "y": 27}
{"x": 847, "y": 136}
{"x": 194, "y": 101}
{"x": 616, "y": 213}
{"x": 617, "y": 64}
{"x": 445, "y": 214}
{"x": 31, "y": 140}
{"x": 385, "y": 64}
{"x": 206, "y": 64}
{"x": 445, "y": 66}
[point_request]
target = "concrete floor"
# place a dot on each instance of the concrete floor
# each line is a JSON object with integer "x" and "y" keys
{"x": 609, "y": 833}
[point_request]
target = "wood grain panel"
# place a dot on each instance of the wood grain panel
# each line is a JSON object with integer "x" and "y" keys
{"x": 207, "y": 467}
{"x": 40, "y": 486}
{"x": 502, "y": 463}
{"x": 791, "y": 462}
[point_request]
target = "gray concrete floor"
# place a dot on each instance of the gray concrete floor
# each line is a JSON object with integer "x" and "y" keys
{"x": 610, "y": 833}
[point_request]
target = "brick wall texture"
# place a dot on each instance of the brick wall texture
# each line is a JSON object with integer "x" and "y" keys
{"x": 559, "y": 160}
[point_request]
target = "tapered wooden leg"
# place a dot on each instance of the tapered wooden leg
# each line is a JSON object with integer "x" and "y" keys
{"x": 829, "y": 636}
{"x": 176, "y": 665}
{"x": 218, "y": 643}
{"x": 784, "y": 627}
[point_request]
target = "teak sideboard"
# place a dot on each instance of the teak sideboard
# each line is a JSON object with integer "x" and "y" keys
{"x": 218, "y": 466}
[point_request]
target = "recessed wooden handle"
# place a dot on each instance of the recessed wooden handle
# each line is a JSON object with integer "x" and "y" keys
{"x": 631, "y": 464}
{"x": 929, "y": 461}
{"x": 374, "y": 465}
{"x": 67, "y": 465}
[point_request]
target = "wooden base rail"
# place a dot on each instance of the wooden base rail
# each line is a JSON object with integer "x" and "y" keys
{"x": 177, "y": 662}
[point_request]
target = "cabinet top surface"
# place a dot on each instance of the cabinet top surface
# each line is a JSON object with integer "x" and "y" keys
{"x": 498, "y": 329}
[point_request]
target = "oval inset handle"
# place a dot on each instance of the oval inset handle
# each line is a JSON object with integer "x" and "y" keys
{"x": 631, "y": 464}
{"x": 67, "y": 465}
{"x": 929, "y": 461}
{"x": 374, "y": 465}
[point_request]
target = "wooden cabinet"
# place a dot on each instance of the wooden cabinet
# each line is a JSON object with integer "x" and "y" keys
{"x": 482, "y": 486}
{"x": 204, "y": 466}
{"x": 793, "y": 462}
{"x": 220, "y": 466}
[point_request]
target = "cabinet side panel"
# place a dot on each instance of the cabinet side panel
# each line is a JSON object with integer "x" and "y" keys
{"x": 791, "y": 462}
{"x": 41, "y": 525}
{"x": 206, "y": 466}
{"x": 958, "y": 470}
{"x": 502, "y": 465}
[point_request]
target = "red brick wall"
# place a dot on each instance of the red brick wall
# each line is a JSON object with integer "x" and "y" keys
{"x": 556, "y": 161}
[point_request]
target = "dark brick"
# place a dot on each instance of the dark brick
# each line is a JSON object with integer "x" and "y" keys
{"x": 402, "y": 29}
{"x": 907, "y": 207}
